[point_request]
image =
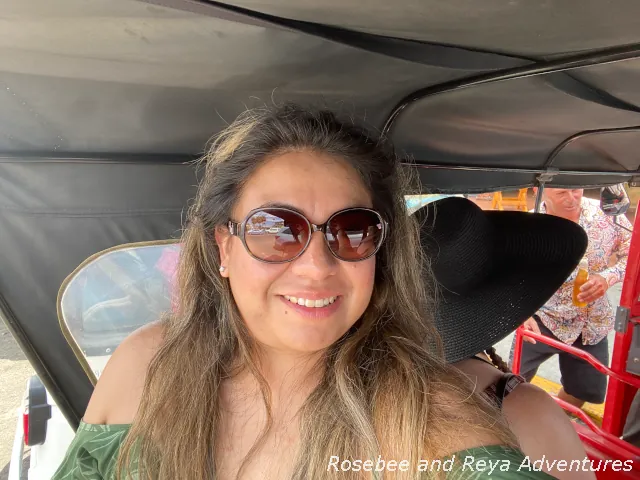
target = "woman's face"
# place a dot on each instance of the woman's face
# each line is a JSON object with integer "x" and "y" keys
{"x": 317, "y": 185}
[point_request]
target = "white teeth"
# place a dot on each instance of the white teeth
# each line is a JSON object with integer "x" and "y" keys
{"x": 323, "y": 302}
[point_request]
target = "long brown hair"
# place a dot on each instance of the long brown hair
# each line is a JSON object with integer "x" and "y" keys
{"x": 386, "y": 388}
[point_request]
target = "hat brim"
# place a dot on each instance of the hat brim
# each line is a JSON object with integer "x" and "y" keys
{"x": 547, "y": 250}
{"x": 499, "y": 309}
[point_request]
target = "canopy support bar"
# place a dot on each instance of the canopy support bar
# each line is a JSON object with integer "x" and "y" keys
{"x": 534, "y": 171}
{"x": 541, "y": 180}
{"x": 598, "y": 57}
{"x": 586, "y": 133}
{"x": 562, "y": 145}
{"x": 539, "y": 197}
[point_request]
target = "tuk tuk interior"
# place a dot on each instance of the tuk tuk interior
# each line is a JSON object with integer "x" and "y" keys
{"x": 106, "y": 103}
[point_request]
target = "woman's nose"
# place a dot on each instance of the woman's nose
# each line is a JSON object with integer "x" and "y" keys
{"x": 317, "y": 261}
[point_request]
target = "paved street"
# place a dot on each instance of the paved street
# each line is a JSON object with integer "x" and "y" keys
{"x": 15, "y": 370}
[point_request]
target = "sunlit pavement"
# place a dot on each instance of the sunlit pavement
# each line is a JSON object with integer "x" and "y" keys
{"x": 15, "y": 370}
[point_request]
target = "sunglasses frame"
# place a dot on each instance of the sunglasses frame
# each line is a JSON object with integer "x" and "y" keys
{"x": 238, "y": 229}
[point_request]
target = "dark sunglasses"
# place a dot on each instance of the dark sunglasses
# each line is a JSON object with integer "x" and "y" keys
{"x": 280, "y": 235}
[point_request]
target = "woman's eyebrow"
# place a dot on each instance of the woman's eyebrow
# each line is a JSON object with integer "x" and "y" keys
{"x": 296, "y": 209}
{"x": 279, "y": 205}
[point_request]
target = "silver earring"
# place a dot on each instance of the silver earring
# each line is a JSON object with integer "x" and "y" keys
{"x": 222, "y": 268}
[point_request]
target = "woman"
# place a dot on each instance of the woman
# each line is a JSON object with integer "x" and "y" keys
{"x": 285, "y": 357}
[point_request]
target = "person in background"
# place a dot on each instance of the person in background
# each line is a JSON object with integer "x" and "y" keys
{"x": 587, "y": 327}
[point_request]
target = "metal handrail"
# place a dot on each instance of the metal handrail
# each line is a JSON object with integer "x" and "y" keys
{"x": 578, "y": 412}
{"x": 521, "y": 332}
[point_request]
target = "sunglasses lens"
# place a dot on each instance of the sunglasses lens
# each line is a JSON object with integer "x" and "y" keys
{"x": 276, "y": 235}
{"x": 354, "y": 234}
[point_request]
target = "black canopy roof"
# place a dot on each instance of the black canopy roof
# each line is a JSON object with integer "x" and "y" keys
{"x": 102, "y": 102}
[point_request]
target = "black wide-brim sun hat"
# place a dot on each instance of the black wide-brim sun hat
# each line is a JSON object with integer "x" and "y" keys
{"x": 493, "y": 269}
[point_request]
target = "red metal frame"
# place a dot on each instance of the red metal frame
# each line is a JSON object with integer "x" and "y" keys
{"x": 612, "y": 444}
{"x": 621, "y": 376}
{"x": 598, "y": 448}
{"x": 619, "y": 394}
{"x": 604, "y": 442}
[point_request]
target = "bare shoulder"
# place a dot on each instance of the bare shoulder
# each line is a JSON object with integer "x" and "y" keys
{"x": 544, "y": 429}
{"x": 117, "y": 394}
{"x": 536, "y": 403}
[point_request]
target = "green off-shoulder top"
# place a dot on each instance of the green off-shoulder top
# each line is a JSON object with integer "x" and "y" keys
{"x": 93, "y": 455}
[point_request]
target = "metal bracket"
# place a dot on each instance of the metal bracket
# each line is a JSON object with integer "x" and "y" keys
{"x": 541, "y": 180}
{"x": 623, "y": 315}
{"x": 634, "y": 181}
{"x": 633, "y": 359}
{"x": 547, "y": 176}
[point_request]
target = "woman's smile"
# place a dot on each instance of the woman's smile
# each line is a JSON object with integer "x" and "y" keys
{"x": 313, "y": 306}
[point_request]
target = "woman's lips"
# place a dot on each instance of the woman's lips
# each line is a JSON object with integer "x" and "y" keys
{"x": 314, "y": 300}
{"x": 314, "y": 312}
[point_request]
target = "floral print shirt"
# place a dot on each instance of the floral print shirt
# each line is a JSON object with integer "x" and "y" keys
{"x": 607, "y": 253}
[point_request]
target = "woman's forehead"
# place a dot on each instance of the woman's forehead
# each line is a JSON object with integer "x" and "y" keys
{"x": 561, "y": 191}
{"x": 316, "y": 184}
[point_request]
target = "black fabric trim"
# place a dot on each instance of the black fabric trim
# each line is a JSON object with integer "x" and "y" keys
{"x": 576, "y": 137}
{"x": 91, "y": 213}
{"x": 584, "y": 91}
{"x": 415, "y": 51}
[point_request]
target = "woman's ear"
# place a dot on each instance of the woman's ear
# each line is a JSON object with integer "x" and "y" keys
{"x": 223, "y": 239}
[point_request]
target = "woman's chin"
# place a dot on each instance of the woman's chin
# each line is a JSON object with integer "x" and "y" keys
{"x": 297, "y": 336}
{"x": 308, "y": 342}
{"x": 307, "y": 346}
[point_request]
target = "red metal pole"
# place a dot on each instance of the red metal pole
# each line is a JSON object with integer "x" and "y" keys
{"x": 619, "y": 394}
{"x": 621, "y": 376}
{"x": 621, "y": 444}
{"x": 517, "y": 350}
